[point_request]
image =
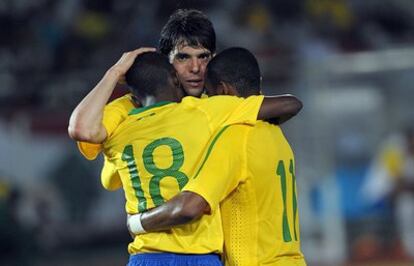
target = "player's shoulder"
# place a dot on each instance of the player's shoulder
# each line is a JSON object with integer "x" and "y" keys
{"x": 263, "y": 129}
{"x": 151, "y": 109}
{"x": 237, "y": 131}
{"x": 207, "y": 101}
{"x": 266, "y": 125}
{"x": 227, "y": 100}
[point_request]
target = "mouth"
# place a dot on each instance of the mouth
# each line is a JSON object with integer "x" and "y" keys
{"x": 194, "y": 82}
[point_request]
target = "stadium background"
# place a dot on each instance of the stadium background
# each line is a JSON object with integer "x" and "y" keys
{"x": 351, "y": 62}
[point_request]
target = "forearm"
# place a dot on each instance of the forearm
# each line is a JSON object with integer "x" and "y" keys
{"x": 182, "y": 209}
{"x": 85, "y": 123}
{"x": 164, "y": 217}
{"x": 279, "y": 108}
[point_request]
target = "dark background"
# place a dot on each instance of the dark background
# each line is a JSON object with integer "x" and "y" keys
{"x": 351, "y": 62}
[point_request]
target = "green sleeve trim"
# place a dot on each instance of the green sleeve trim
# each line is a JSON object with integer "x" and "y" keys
{"x": 209, "y": 149}
{"x": 142, "y": 109}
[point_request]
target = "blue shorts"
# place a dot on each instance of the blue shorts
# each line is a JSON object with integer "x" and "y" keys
{"x": 173, "y": 259}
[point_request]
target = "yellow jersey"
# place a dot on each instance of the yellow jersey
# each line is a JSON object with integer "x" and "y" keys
{"x": 250, "y": 172}
{"x": 114, "y": 113}
{"x": 157, "y": 148}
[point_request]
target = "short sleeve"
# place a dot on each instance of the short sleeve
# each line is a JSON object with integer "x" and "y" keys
{"x": 227, "y": 110}
{"x": 223, "y": 166}
{"x": 114, "y": 113}
{"x": 89, "y": 150}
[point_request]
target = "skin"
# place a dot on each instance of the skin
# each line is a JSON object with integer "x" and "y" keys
{"x": 190, "y": 64}
{"x": 181, "y": 209}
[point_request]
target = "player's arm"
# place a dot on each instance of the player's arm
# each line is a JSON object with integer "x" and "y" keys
{"x": 279, "y": 109}
{"x": 181, "y": 209}
{"x": 220, "y": 172}
{"x": 85, "y": 123}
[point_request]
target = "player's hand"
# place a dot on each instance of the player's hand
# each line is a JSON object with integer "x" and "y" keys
{"x": 126, "y": 61}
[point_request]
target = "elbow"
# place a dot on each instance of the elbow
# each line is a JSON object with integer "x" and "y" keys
{"x": 81, "y": 130}
{"x": 75, "y": 128}
{"x": 185, "y": 214}
{"x": 78, "y": 132}
{"x": 74, "y": 132}
{"x": 83, "y": 133}
{"x": 293, "y": 105}
{"x": 297, "y": 106}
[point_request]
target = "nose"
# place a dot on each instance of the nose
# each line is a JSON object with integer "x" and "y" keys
{"x": 195, "y": 65}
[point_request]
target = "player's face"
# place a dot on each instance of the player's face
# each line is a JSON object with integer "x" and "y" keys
{"x": 190, "y": 64}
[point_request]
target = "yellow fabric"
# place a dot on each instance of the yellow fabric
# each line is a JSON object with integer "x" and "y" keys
{"x": 157, "y": 148}
{"x": 114, "y": 113}
{"x": 393, "y": 161}
{"x": 110, "y": 178}
{"x": 247, "y": 170}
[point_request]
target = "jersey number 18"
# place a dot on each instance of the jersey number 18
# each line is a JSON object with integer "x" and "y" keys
{"x": 157, "y": 173}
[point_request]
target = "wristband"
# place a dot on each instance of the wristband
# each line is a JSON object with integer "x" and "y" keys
{"x": 135, "y": 226}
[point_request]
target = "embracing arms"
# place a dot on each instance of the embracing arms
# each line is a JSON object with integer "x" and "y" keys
{"x": 181, "y": 209}
{"x": 279, "y": 108}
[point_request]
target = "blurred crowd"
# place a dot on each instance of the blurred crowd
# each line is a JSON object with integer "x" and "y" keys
{"x": 53, "y": 52}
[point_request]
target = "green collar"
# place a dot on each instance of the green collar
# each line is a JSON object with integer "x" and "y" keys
{"x": 142, "y": 109}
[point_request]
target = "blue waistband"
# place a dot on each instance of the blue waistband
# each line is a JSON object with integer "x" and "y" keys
{"x": 174, "y": 259}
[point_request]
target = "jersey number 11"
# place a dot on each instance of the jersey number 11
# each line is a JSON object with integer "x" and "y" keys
{"x": 281, "y": 171}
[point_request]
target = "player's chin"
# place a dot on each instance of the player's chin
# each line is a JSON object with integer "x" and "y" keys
{"x": 194, "y": 91}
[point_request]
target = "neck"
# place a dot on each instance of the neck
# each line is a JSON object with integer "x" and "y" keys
{"x": 165, "y": 95}
{"x": 170, "y": 97}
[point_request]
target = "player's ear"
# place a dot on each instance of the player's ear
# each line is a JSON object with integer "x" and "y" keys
{"x": 136, "y": 101}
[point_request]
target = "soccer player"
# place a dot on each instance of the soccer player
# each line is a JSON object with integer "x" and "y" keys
{"x": 249, "y": 171}
{"x": 156, "y": 148}
{"x": 188, "y": 39}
